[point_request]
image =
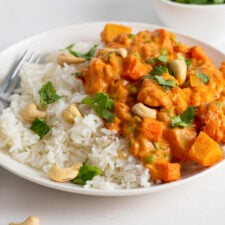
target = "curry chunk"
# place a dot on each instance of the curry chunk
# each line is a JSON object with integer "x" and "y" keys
{"x": 151, "y": 90}
{"x": 119, "y": 92}
{"x": 98, "y": 77}
{"x": 151, "y": 129}
{"x": 165, "y": 171}
{"x": 211, "y": 120}
{"x": 205, "y": 150}
{"x": 181, "y": 139}
{"x": 122, "y": 111}
{"x": 111, "y": 31}
{"x": 153, "y": 95}
{"x": 134, "y": 69}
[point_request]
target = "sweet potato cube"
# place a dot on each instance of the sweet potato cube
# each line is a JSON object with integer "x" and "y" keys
{"x": 168, "y": 171}
{"x": 205, "y": 150}
{"x": 151, "y": 129}
{"x": 111, "y": 31}
{"x": 134, "y": 69}
{"x": 164, "y": 171}
{"x": 181, "y": 139}
{"x": 198, "y": 53}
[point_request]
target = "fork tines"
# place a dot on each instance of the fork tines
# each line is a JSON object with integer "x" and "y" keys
{"x": 12, "y": 79}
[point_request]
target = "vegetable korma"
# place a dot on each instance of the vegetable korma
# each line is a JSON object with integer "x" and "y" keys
{"x": 168, "y": 98}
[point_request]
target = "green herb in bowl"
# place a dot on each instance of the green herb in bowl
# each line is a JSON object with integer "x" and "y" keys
{"x": 200, "y": 2}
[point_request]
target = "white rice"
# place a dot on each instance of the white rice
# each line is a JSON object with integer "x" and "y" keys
{"x": 66, "y": 143}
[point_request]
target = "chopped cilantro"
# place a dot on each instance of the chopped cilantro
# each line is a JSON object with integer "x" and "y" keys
{"x": 203, "y": 77}
{"x": 185, "y": 119}
{"x": 40, "y": 127}
{"x": 86, "y": 172}
{"x": 163, "y": 57}
{"x": 102, "y": 105}
{"x": 48, "y": 94}
{"x": 150, "y": 60}
{"x": 77, "y": 74}
{"x": 129, "y": 143}
{"x": 163, "y": 51}
{"x": 218, "y": 103}
{"x": 131, "y": 36}
{"x": 156, "y": 145}
{"x": 188, "y": 62}
{"x": 166, "y": 84}
{"x": 87, "y": 55}
{"x": 159, "y": 70}
{"x": 150, "y": 159}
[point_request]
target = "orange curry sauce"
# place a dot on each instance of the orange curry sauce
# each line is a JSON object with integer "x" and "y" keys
{"x": 120, "y": 68}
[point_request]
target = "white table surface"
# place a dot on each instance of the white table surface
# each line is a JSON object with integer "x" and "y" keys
{"x": 201, "y": 202}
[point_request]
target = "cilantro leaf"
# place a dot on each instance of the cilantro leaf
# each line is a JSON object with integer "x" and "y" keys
{"x": 77, "y": 74}
{"x": 159, "y": 70}
{"x": 185, "y": 119}
{"x": 40, "y": 127}
{"x": 166, "y": 84}
{"x": 48, "y": 94}
{"x": 150, "y": 159}
{"x": 203, "y": 77}
{"x": 86, "y": 172}
{"x": 102, "y": 105}
{"x": 88, "y": 55}
{"x": 188, "y": 62}
{"x": 161, "y": 58}
{"x": 156, "y": 145}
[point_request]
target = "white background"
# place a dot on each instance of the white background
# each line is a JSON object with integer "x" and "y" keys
{"x": 201, "y": 202}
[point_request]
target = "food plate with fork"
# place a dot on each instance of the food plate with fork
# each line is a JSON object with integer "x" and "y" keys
{"x": 114, "y": 109}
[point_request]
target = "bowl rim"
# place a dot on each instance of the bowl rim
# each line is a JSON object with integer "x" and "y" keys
{"x": 193, "y": 6}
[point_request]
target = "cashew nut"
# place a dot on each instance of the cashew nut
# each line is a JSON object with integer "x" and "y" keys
{"x": 179, "y": 68}
{"x": 69, "y": 59}
{"x": 70, "y": 113}
{"x": 32, "y": 112}
{"x": 143, "y": 111}
{"x": 31, "y": 220}
{"x": 119, "y": 51}
{"x": 60, "y": 174}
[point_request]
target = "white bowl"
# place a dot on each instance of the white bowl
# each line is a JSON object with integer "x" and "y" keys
{"x": 206, "y": 22}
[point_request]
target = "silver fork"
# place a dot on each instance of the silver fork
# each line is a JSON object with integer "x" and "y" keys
{"x": 12, "y": 79}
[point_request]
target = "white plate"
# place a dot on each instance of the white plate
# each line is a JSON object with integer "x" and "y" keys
{"x": 57, "y": 39}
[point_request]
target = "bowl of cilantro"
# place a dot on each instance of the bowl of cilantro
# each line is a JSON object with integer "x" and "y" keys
{"x": 203, "y": 19}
